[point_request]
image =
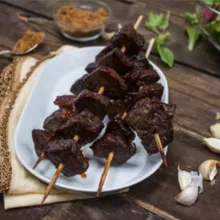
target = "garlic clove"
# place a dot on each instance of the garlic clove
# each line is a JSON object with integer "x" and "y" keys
{"x": 215, "y": 130}
{"x": 208, "y": 169}
{"x": 213, "y": 144}
{"x": 184, "y": 178}
{"x": 108, "y": 36}
{"x": 217, "y": 117}
{"x": 188, "y": 196}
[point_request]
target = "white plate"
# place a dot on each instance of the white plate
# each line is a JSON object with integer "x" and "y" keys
{"x": 56, "y": 79}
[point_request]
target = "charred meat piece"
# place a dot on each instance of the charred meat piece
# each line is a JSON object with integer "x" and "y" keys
{"x": 86, "y": 125}
{"x": 117, "y": 108}
{"x": 67, "y": 152}
{"x": 141, "y": 76}
{"x": 90, "y": 67}
{"x": 41, "y": 139}
{"x": 65, "y": 101}
{"x": 139, "y": 61}
{"x": 127, "y": 36}
{"x": 78, "y": 86}
{"x": 95, "y": 103}
{"x": 110, "y": 142}
{"x": 149, "y": 117}
{"x": 118, "y": 127}
{"x": 105, "y": 51}
{"x": 116, "y": 60}
{"x": 115, "y": 87}
{"x": 152, "y": 91}
{"x": 57, "y": 118}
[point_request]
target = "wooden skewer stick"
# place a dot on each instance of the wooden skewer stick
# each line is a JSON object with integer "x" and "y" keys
{"x": 55, "y": 177}
{"x": 161, "y": 149}
{"x": 41, "y": 157}
{"x": 111, "y": 154}
{"x": 156, "y": 136}
{"x": 105, "y": 172}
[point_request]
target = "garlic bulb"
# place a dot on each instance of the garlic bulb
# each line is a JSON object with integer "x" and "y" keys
{"x": 188, "y": 196}
{"x": 208, "y": 169}
{"x": 213, "y": 144}
{"x": 184, "y": 178}
{"x": 215, "y": 130}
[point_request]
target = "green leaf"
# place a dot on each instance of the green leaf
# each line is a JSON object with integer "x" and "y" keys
{"x": 157, "y": 22}
{"x": 193, "y": 37}
{"x": 191, "y": 18}
{"x": 211, "y": 2}
{"x": 213, "y": 29}
{"x": 165, "y": 53}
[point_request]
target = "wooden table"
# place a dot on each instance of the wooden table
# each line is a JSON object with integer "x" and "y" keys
{"x": 194, "y": 87}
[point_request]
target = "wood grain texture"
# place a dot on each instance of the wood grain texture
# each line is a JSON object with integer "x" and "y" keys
{"x": 195, "y": 93}
{"x": 204, "y": 57}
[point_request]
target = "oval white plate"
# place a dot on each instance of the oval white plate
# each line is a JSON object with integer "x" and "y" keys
{"x": 56, "y": 79}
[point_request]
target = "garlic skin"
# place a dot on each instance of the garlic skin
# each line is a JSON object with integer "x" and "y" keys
{"x": 215, "y": 130}
{"x": 184, "y": 178}
{"x": 188, "y": 196}
{"x": 213, "y": 144}
{"x": 208, "y": 169}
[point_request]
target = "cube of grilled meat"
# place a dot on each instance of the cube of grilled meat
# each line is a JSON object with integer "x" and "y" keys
{"x": 67, "y": 152}
{"x": 95, "y": 103}
{"x": 41, "y": 139}
{"x": 85, "y": 124}
{"x": 57, "y": 118}
{"x": 118, "y": 127}
{"x": 152, "y": 91}
{"x": 105, "y": 51}
{"x": 128, "y": 37}
{"x": 65, "y": 101}
{"x": 78, "y": 86}
{"x": 148, "y": 117}
{"x": 115, "y": 87}
{"x": 116, "y": 60}
{"x": 110, "y": 142}
{"x": 117, "y": 108}
{"x": 140, "y": 76}
{"x": 90, "y": 67}
{"x": 140, "y": 61}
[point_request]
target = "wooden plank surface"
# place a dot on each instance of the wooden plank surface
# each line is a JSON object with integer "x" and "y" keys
{"x": 196, "y": 95}
{"x": 203, "y": 58}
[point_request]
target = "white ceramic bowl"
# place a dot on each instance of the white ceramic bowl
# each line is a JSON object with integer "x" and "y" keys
{"x": 56, "y": 79}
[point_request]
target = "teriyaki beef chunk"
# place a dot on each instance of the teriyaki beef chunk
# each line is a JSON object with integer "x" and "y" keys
{"x": 127, "y": 36}
{"x": 117, "y": 108}
{"x": 115, "y": 87}
{"x": 57, "y": 118}
{"x": 148, "y": 117}
{"x": 152, "y": 91}
{"x": 41, "y": 139}
{"x": 122, "y": 148}
{"x": 141, "y": 76}
{"x": 85, "y": 124}
{"x": 78, "y": 86}
{"x": 118, "y": 127}
{"x": 116, "y": 60}
{"x": 65, "y": 101}
{"x": 67, "y": 152}
{"x": 95, "y": 103}
{"x": 90, "y": 67}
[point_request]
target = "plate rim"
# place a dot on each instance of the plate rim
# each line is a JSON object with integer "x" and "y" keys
{"x": 64, "y": 186}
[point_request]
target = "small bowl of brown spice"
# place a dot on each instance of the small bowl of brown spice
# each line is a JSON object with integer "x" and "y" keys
{"x": 82, "y": 21}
